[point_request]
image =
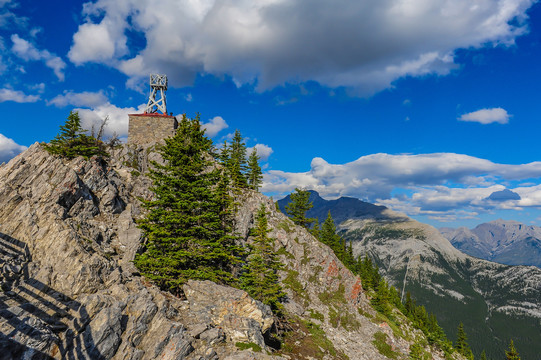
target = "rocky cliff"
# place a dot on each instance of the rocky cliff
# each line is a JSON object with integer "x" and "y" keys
{"x": 70, "y": 291}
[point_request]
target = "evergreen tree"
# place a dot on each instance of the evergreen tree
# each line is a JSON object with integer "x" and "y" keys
{"x": 327, "y": 234}
{"x": 237, "y": 161}
{"x": 483, "y": 355}
{"x": 188, "y": 222}
{"x": 417, "y": 352}
{"x": 260, "y": 278}
{"x": 223, "y": 155}
{"x": 255, "y": 176}
{"x": 461, "y": 343}
{"x": 299, "y": 205}
{"x": 381, "y": 300}
{"x": 366, "y": 272}
{"x": 512, "y": 353}
{"x": 72, "y": 141}
{"x": 315, "y": 230}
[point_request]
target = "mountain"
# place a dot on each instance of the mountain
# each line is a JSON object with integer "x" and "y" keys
{"x": 506, "y": 242}
{"x": 69, "y": 289}
{"x": 342, "y": 209}
{"x": 495, "y": 302}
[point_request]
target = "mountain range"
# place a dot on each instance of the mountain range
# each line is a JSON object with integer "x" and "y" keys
{"x": 495, "y": 302}
{"x": 506, "y": 242}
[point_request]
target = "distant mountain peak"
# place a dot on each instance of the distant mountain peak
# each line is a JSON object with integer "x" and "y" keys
{"x": 343, "y": 208}
{"x": 505, "y": 241}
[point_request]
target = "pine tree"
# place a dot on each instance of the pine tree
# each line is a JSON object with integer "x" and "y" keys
{"x": 461, "y": 343}
{"x": 72, "y": 141}
{"x": 512, "y": 353}
{"x": 255, "y": 176}
{"x": 380, "y": 301}
{"x": 188, "y": 223}
{"x": 299, "y": 205}
{"x": 327, "y": 234}
{"x": 259, "y": 277}
{"x": 483, "y": 355}
{"x": 315, "y": 229}
{"x": 237, "y": 161}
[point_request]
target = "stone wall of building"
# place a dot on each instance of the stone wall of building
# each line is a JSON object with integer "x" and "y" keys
{"x": 150, "y": 128}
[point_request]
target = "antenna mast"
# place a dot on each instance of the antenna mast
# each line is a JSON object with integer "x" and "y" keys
{"x": 158, "y": 86}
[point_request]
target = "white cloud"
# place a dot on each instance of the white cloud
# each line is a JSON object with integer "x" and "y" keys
{"x": 487, "y": 116}
{"x": 118, "y": 118}
{"x": 263, "y": 151}
{"x": 214, "y": 126}
{"x": 85, "y": 98}
{"x": 9, "y": 148}
{"x": 28, "y": 52}
{"x": 98, "y": 42}
{"x": 17, "y": 96}
{"x": 435, "y": 184}
{"x": 362, "y": 45}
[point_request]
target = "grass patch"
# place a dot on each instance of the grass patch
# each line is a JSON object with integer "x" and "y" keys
{"x": 364, "y": 313}
{"x": 317, "y": 315}
{"x": 293, "y": 283}
{"x": 314, "y": 278}
{"x": 349, "y": 323}
{"x": 250, "y": 345}
{"x": 380, "y": 342}
{"x": 284, "y": 225}
{"x": 334, "y": 318}
{"x": 284, "y": 252}
{"x": 308, "y": 339}
{"x": 333, "y": 298}
{"x": 306, "y": 254}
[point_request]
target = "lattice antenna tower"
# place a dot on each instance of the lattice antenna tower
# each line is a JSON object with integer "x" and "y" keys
{"x": 156, "y": 100}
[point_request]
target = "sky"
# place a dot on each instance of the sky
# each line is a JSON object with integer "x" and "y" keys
{"x": 428, "y": 107}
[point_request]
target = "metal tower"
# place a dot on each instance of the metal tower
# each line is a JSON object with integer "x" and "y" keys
{"x": 158, "y": 83}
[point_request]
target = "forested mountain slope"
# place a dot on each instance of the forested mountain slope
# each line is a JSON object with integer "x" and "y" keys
{"x": 495, "y": 302}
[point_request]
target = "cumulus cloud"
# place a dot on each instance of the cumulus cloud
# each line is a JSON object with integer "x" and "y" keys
{"x": 429, "y": 184}
{"x": 9, "y": 148}
{"x": 17, "y": 96}
{"x": 118, "y": 120}
{"x": 360, "y": 45}
{"x": 28, "y": 52}
{"x": 85, "y": 98}
{"x": 214, "y": 126}
{"x": 487, "y": 116}
{"x": 263, "y": 151}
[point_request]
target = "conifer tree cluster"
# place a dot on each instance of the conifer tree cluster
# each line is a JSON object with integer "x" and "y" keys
{"x": 72, "y": 141}
{"x": 243, "y": 172}
{"x": 260, "y": 274}
{"x": 188, "y": 225}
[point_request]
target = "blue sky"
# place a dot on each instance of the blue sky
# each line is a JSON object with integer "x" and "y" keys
{"x": 428, "y": 107}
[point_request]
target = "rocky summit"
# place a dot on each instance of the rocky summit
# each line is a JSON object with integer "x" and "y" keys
{"x": 69, "y": 289}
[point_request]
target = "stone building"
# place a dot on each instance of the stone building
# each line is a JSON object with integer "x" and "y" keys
{"x": 149, "y": 128}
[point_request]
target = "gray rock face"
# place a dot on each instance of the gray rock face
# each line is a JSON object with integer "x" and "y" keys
{"x": 70, "y": 291}
{"x": 505, "y": 242}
